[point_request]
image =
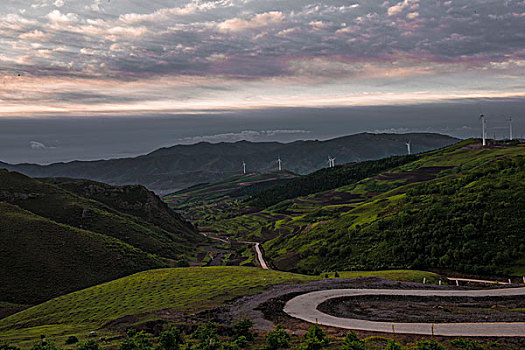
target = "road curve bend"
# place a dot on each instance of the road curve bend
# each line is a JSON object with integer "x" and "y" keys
{"x": 304, "y": 307}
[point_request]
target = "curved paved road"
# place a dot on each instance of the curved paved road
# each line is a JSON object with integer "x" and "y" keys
{"x": 260, "y": 257}
{"x": 304, "y": 307}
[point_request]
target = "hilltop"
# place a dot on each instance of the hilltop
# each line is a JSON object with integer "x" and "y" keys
{"x": 457, "y": 208}
{"x": 62, "y": 241}
{"x": 170, "y": 169}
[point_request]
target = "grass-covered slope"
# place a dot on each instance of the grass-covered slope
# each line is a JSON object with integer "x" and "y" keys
{"x": 54, "y": 241}
{"x": 154, "y": 295}
{"x": 40, "y": 258}
{"x": 59, "y": 205}
{"x": 139, "y": 296}
{"x": 469, "y": 217}
{"x": 134, "y": 200}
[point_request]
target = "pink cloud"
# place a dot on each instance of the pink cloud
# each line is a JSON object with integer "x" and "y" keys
{"x": 258, "y": 21}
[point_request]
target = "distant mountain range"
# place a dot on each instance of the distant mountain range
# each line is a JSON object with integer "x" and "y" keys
{"x": 169, "y": 169}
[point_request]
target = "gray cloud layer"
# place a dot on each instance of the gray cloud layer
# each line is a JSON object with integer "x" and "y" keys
{"x": 204, "y": 50}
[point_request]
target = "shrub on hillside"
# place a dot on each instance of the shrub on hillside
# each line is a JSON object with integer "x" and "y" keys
{"x": 392, "y": 345}
{"x": 170, "y": 339}
{"x": 242, "y": 328}
{"x": 136, "y": 341}
{"x": 277, "y": 339}
{"x": 89, "y": 345}
{"x": 45, "y": 345}
{"x": 466, "y": 344}
{"x": 352, "y": 342}
{"x": 71, "y": 340}
{"x": 429, "y": 345}
{"x": 315, "y": 339}
{"x": 7, "y": 346}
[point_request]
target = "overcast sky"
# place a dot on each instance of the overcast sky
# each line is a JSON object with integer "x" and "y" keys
{"x": 125, "y": 57}
{"x": 231, "y": 66}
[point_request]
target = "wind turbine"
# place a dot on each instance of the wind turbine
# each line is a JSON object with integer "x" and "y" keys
{"x": 483, "y": 134}
{"x": 243, "y": 167}
{"x": 509, "y": 119}
{"x": 331, "y": 162}
{"x": 279, "y": 162}
{"x": 408, "y": 147}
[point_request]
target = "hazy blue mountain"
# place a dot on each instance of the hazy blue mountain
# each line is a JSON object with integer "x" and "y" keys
{"x": 173, "y": 168}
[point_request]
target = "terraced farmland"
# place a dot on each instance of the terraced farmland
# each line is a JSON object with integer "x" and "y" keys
{"x": 305, "y": 234}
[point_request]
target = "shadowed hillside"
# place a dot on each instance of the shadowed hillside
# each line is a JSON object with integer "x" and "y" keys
{"x": 54, "y": 241}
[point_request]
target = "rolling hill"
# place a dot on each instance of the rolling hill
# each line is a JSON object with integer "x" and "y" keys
{"x": 170, "y": 169}
{"x": 458, "y": 208}
{"x": 61, "y": 241}
{"x": 152, "y": 296}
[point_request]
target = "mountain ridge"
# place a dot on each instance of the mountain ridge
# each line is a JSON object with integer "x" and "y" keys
{"x": 174, "y": 168}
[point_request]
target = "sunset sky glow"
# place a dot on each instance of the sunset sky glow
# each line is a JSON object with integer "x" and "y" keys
{"x": 121, "y": 57}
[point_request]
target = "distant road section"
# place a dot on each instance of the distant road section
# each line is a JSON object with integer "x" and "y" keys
{"x": 304, "y": 307}
{"x": 260, "y": 257}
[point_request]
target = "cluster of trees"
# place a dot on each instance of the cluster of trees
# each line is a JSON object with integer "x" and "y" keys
{"x": 472, "y": 223}
{"x": 327, "y": 179}
{"x": 206, "y": 337}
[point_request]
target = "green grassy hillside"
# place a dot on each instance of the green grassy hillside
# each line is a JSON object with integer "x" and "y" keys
{"x": 54, "y": 241}
{"x": 326, "y": 179}
{"x": 65, "y": 207}
{"x": 40, "y": 258}
{"x": 133, "y": 200}
{"x": 138, "y": 297}
{"x": 153, "y": 295}
{"x": 470, "y": 218}
{"x": 459, "y": 208}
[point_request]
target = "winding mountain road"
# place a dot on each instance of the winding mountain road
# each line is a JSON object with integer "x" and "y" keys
{"x": 304, "y": 307}
{"x": 260, "y": 257}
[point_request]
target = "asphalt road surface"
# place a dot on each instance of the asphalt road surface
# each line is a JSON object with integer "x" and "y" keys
{"x": 304, "y": 307}
{"x": 260, "y": 257}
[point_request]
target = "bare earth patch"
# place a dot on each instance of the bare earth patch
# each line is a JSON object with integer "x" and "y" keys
{"x": 427, "y": 309}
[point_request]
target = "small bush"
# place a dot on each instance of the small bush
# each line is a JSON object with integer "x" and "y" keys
{"x": 71, "y": 340}
{"x": 242, "y": 329}
{"x": 6, "y": 346}
{"x": 136, "y": 341}
{"x": 89, "y": 345}
{"x": 429, "y": 345}
{"x": 170, "y": 339}
{"x": 392, "y": 345}
{"x": 466, "y": 344}
{"x": 277, "y": 339}
{"x": 44, "y": 345}
{"x": 315, "y": 339}
{"x": 352, "y": 342}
